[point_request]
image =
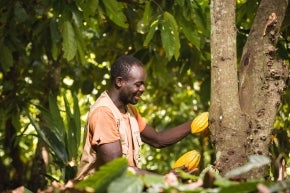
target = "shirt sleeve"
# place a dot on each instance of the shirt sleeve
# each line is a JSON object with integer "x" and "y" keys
{"x": 103, "y": 127}
{"x": 141, "y": 121}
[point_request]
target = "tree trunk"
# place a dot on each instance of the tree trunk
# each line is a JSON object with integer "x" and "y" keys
{"x": 243, "y": 107}
{"x": 227, "y": 122}
{"x": 262, "y": 78}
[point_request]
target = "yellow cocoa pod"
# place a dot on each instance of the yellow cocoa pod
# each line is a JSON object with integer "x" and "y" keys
{"x": 189, "y": 160}
{"x": 200, "y": 123}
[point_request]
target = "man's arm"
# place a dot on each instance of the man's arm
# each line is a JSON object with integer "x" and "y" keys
{"x": 166, "y": 137}
{"x": 108, "y": 152}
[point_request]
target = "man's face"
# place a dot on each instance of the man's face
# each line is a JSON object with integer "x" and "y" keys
{"x": 133, "y": 86}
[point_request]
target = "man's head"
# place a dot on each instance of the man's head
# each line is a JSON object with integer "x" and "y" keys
{"x": 128, "y": 77}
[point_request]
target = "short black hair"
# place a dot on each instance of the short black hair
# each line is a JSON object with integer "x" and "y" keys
{"x": 122, "y": 66}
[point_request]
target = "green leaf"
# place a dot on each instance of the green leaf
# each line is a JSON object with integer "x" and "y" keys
{"x": 71, "y": 140}
{"x": 126, "y": 184}
{"x": 54, "y": 118}
{"x": 55, "y": 39}
{"x": 279, "y": 186}
{"x": 189, "y": 30}
{"x": 149, "y": 36}
{"x": 147, "y": 12}
{"x": 114, "y": 10}
{"x": 100, "y": 180}
{"x": 69, "y": 45}
{"x": 170, "y": 36}
{"x": 201, "y": 20}
{"x": 54, "y": 122}
{"x": 80, "y": 44}
{"x": 89, "y": 7}
{"x": 240, "y": 187}
{"x": 255, "y": 161}
{"x": 55, "y": 51}
{"x": 54, "y": 33}
{"x": 185, "y": 175}
{"x": 74, "y": 127}
{"x": 20, "y": 13}
{"x": 151, "y": 179}
{"x": 77, "y": 119}
{"x": 6, "y": 58}
{"x": 51, "y": 140}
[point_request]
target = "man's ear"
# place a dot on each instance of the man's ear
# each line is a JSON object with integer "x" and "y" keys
{"x": 118, "y": 81}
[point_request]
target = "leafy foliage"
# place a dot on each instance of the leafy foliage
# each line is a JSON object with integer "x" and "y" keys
{"x": 254, "y": 161}
{"x": 69, "y": 43}
{"x": 114, "y": 177}
{"x": 63, "y": 138}
{"x": 100, "y": 180}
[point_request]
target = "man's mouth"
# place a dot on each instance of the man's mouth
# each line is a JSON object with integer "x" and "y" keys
{"x": 138, "y": 97}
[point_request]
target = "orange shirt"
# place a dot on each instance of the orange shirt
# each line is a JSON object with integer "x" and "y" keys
{"x": 103, "y": 128}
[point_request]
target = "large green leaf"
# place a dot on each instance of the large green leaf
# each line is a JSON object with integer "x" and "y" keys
{"x": 77, "y": 119}
{"x": 70, "y": 133}
{"x": 89, "y": 7}
{"x": 80, "y": 44}
{"x": 49, "y": 120}
{"x": 189, "y": 29}
{"x": 201, "y": 19}
{"x": 126, "y": 184}
{"x": 114, "y": 10}
{"x": 6, "y": 59}
{"x": 170, "y": 36}
{"x": 69, "y": 45}
{"x": 55, "y": 39}
{"x": 147, "y": 13}
{"x": 54, "y": 119}
{"x": 143, "y": 24}
{"x": 51, "y": 140}
{"x": 151, "y": 179}
{"x": 240, "y": 188}
{"x": 255, "y": 161}
{"x": 100, "y": 180}
{"x": 150, "y": 34}
{"x": 74, "y": 127}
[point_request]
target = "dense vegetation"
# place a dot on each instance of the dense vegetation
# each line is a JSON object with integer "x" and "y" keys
{"x": 55, "y": 57}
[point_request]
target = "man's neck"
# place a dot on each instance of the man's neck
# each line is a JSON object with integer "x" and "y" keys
{"x": 122, "y": 108}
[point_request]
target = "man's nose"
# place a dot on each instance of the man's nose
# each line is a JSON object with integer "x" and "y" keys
{"x": 142, "y": 88}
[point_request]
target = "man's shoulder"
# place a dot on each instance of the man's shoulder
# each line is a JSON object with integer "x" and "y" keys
{"x": 100, "y": 110}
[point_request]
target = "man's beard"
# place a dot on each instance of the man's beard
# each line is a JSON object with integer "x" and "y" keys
{"x": 126, "y": 99}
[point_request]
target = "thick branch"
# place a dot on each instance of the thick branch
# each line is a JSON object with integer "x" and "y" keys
{"x": 262, "y": 76}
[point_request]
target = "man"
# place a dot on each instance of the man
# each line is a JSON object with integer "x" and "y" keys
{"x": 115, "y": 128}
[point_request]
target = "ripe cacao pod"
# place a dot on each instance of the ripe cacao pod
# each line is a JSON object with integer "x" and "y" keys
{"x": 189, "y": 161}
{"x": 200, "y": 123}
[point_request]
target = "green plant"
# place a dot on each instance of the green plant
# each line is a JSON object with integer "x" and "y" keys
{"x": 61, "y": 135}
{"x": 113, "y": 178}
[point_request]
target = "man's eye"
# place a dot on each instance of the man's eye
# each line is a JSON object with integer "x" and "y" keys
{"x": 139, "y": 84}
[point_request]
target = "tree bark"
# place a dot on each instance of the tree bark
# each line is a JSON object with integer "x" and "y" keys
{"x": 227, "y": 122}
{"x": 243, "y": 108}
{"x": 262, "y": 78}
